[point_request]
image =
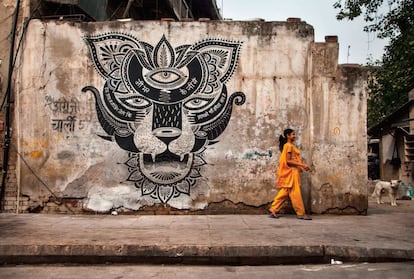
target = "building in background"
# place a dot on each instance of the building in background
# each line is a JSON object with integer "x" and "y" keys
{"x": 392, "y": 147}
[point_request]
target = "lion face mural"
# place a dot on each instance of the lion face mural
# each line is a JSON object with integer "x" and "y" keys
{"x": 163, "y": 105}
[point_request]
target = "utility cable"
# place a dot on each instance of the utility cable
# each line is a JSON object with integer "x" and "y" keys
{"x": 6, "y": 147}
{"x": 24, "y": 28}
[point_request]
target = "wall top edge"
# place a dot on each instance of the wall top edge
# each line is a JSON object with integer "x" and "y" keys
{"x": 172, "y": 21}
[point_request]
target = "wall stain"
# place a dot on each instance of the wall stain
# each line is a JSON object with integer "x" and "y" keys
{"x": 256, "y": 155}
{"x": 36, "y": 154}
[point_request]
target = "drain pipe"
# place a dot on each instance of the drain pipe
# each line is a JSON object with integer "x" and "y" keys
{"x": 7, "y": 136}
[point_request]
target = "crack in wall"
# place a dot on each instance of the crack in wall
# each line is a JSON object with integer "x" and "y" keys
{"x": 344, "y": 210}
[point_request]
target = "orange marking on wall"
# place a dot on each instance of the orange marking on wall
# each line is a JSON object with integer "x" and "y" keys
{"x": 35, "y": 144}
{"x": 36, "y": 154}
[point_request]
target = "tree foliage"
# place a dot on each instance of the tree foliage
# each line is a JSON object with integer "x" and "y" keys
{"x": 392, "y": 78}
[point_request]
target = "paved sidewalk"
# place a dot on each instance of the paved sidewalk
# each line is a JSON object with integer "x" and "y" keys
{"x": 386, "y": 234}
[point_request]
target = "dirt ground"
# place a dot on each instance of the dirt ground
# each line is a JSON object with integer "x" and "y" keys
{"x": 402, "y": 206}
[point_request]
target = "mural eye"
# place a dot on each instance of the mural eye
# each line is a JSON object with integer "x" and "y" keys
{"x": 197, "y": 103}
{"x": 137, "y": 102}
{"x": 166, "y": 76}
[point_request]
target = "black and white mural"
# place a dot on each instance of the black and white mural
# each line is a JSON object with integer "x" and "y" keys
{"x": 164, "y": 105}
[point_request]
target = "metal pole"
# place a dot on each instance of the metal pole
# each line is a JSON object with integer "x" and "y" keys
{"x": 127, "y": 8}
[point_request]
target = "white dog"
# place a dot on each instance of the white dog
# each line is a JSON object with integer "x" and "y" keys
{"x": 391, "y": 187}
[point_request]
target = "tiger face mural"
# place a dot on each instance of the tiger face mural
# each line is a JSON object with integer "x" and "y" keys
{"x": 163, "y": 105}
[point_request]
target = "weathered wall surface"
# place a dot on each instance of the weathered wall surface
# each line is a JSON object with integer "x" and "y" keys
{"x": 11, "y": 200}
{"x": 6, "y": 12}
{"x": 338, "y": 112}
{"x": 134, "y": 115}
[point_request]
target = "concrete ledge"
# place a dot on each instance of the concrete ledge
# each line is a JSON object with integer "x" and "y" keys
{"x": 234, "y": 255}
{"x": 209, "y": 239}
{"x": 160, "y": 251}
{"x": 361, "y": 254}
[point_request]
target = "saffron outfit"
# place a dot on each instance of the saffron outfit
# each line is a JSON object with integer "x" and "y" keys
{"x": 288, "y": 181}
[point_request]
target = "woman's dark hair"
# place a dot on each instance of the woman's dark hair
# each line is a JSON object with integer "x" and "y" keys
{"x": 283, "y": 138}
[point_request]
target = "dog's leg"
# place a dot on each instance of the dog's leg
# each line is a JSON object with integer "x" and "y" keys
{"x": 393, "y": 198}
{"x": 379, "y": 199}
{"x": 378, "y": 196}
{"x": 375, "y": 194}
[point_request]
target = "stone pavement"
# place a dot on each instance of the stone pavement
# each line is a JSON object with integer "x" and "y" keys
{"x": 385, "y": 234}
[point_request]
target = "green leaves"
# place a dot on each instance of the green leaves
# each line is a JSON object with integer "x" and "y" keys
{"x": 392, "y": 78}
{"x": 350, "y": 9}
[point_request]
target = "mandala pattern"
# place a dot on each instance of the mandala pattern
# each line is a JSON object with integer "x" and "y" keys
{"x": 163, "y": 105}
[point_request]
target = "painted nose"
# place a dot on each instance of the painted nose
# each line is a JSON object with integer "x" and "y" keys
{"x": 167, "y": 134}
{"x": 166, "y": 122}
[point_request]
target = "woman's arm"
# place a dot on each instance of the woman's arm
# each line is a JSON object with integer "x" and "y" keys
{"x": 293, "y": 163}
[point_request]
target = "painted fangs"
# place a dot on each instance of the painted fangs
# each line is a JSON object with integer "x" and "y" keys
{"x": 153, "y": 157}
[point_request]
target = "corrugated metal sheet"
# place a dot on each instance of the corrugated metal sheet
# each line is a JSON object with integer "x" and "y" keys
{"x": 96, "y": 9}
{"x": 180, "y": 9}
{"x": 68, "y": 2}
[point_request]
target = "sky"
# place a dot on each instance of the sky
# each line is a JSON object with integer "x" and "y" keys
{"x": 355, "y": 45}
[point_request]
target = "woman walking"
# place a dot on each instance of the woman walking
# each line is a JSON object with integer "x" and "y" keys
{"x": 288, "y": 177}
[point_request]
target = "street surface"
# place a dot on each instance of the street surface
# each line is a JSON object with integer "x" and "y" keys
{"x": 386, "y": 233}
{"x": 328, "y": 271}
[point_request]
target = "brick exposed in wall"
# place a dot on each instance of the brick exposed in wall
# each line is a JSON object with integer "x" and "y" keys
{"x": 10, "y": 194}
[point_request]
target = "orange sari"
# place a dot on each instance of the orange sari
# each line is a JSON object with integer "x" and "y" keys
{"x": 288, "y": 181}
{"x": 288, "y": 176}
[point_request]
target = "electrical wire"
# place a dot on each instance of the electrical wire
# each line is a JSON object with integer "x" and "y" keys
{"x": 6, "y": 148}
{"x": 24, "y": 28}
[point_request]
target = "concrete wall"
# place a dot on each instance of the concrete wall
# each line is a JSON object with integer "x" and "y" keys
{"x": 11, "y": 200}
{"x": 184, "y": 116}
